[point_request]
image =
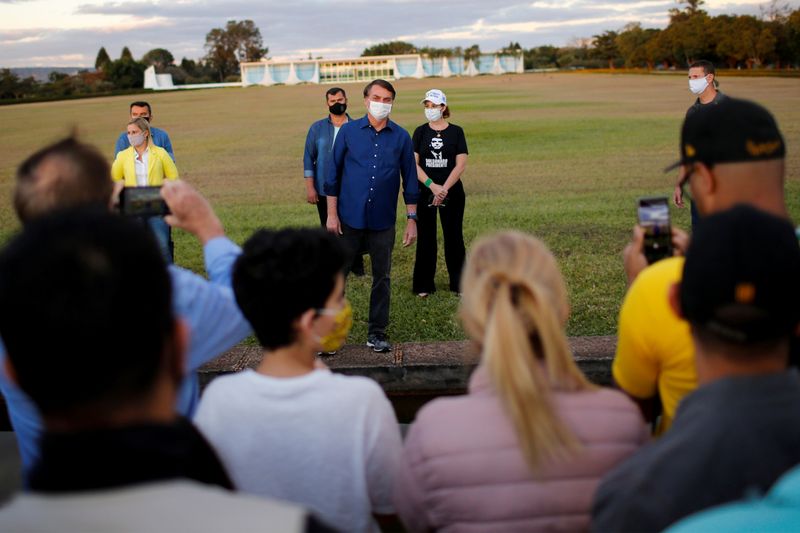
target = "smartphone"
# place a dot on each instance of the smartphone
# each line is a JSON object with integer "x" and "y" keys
{"x": 142, "y": 202}
{"x": 653, "y": 216}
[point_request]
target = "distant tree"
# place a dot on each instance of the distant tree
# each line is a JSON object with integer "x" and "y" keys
{"x": 690, "y": 39}
{"x": 632, "y": 43}
{"x": 430, "y": 51}
{"x": 604, "y": 46}
{"x": 9, "y": 84}
{"x": 12, "y": 87}
{"x": 793, "y": 37}
{"x": 235, "y": 43}
{"x": 55, "y": 76}
{"x": 126, "y": 74}
{"x": 126, "y": 53}
{"x": 391, "y": 48}
{"x": 158, "y": 57}
{"x": 512, "y": 48}
{"x": 541, "y": 57}
{"x": 102, "y": 61}
{"x": 473, "y": 52}
{"x": 692, "y": 8}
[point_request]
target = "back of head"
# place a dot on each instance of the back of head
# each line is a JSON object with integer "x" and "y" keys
{"x": 282, "y": 274}
{"x": 741, "y": 283}
{"x": 741, "y": 143}
{"x": 84, "y": 312}
{"x": 63, "y": 175}
{"x": 515, "y": 306}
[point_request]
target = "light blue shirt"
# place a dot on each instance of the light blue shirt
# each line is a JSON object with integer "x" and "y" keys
{"x": 777, "y": 512}
{"x": 215, "y": 323}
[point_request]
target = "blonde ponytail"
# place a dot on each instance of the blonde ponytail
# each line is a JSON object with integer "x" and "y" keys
{"x": 514, "y": 306}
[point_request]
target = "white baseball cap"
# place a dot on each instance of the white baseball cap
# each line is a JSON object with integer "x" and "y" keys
{"x": 435, "y": 96}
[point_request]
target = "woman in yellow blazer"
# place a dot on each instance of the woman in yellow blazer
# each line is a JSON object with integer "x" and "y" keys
{"x": 144, "y": 164}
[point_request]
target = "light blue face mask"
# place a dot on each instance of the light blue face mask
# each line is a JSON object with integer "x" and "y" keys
{"x": 433, "y": 113}
{"x": 136, "y": 140}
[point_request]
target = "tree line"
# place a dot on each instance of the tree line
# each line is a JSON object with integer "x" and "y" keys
{"x": 732, "y": 41}
{"x": 225, "y": 48}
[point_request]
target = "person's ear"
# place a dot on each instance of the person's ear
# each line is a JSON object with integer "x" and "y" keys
{"x": 305, "y": 323}
{"x": 674, "y": 297}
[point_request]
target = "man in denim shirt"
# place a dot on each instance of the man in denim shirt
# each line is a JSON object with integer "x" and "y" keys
{"x": 363, "y": 178}
{"x": 319, "y": 144}
{"x": 160, "y": 137}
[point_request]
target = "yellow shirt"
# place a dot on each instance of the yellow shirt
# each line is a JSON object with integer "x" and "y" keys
{"x": 160, "y": 166}
{"x": 655, "y": 354}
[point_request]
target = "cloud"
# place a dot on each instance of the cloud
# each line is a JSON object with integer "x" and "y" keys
{"x": 77, "y": 28}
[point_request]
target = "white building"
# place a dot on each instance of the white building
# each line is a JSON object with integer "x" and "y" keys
{"x": 368, "y": 68}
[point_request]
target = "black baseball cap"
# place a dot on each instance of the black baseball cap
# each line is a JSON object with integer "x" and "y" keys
{"x": 741, "y": 278}
{"x": 731, "y": 131}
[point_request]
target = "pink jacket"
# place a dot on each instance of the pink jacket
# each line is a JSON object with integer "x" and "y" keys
{"x": 463, "y": 471}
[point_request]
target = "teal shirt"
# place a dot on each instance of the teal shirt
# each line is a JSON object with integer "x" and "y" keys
{"x": 778, "y": 511}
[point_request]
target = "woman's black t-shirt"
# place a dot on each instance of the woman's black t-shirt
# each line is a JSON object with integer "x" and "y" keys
{"x": 438, "y": 150}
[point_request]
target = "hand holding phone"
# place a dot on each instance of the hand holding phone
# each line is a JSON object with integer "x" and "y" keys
{"x": 653, "y": 215}
{"x": 142, "y": 202}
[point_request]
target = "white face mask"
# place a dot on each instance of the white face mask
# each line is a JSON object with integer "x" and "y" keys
{"x": 379, "y": 110}
{"x": 136, "y": 140}
{"x": 433, "y": 113}
{"x": 698, "y": 85}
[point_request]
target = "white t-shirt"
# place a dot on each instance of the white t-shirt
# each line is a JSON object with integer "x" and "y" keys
{"x": 327, "y": 441}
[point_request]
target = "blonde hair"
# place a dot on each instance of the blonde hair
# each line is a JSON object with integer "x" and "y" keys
{"x": 515, "y": 306}
{"x": 143, "y": 125}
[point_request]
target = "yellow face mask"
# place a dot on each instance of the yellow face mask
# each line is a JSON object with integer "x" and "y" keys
{"x": 342, "y": 323}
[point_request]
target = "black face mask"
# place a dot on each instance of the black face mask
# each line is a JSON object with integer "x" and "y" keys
{"x": 338, "y": 108}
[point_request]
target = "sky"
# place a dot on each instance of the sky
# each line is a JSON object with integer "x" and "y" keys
{"x": 36, "y": 33}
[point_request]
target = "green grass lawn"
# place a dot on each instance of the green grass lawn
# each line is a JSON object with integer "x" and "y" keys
{"x": 563, "y": 156}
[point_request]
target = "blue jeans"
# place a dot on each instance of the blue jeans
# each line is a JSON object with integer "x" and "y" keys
{"x": 379, "y": 245}
{"x": 161, "y": 230}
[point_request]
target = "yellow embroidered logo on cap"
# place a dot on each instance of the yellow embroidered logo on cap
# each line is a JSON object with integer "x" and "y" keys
{"x": 745, "y": 293}
{"x": 690, "y": 151}
{"x": 758, "y": 149}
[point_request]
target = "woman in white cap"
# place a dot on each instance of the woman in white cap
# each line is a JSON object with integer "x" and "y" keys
{"x": 441, "y": 152}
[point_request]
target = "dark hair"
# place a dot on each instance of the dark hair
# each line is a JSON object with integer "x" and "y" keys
{"x": 141, "y": 104}
{"x": 708, "y": 68}
{"x": 335, "y": 90}
{"x": 281, "y": 275}
{"x": 380, "y": 83}
{"x": 85, "y": 311}
{"x": 446, "y": 112}
{"x": 62, "y": 175}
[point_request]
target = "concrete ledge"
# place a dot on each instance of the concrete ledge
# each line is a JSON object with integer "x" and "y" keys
{"x": 414, "y": 373}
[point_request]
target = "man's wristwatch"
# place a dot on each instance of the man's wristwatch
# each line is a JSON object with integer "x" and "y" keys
{"x": 411, "y": 216}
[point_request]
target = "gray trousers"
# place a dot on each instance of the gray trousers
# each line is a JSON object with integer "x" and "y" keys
{"x": 379, "y": 245}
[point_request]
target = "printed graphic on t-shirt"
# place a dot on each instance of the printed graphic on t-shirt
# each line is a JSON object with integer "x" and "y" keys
{"x": 437, "y": 143}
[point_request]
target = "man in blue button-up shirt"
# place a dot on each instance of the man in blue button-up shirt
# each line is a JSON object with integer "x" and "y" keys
{"x": 371, "y": 156}
{"x": 160, "y": 137}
